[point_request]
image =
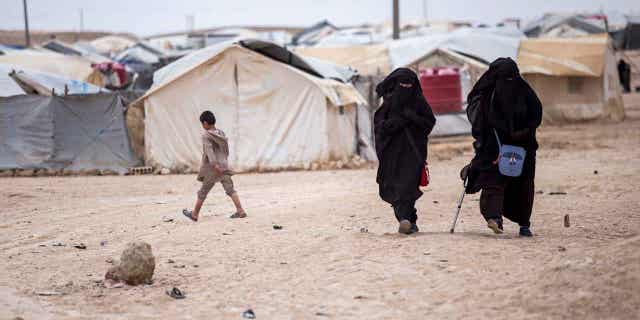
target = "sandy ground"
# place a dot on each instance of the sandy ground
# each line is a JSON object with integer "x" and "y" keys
{"x": 320, "y": 265}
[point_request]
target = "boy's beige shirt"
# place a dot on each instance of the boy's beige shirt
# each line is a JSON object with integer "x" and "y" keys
{"x": 215, "y": 151}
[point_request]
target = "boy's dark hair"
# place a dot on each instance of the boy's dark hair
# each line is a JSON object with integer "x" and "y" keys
{"x": 208, "y": 117}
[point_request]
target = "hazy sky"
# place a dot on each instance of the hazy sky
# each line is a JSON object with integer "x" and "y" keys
{"x": 145, "y": 17}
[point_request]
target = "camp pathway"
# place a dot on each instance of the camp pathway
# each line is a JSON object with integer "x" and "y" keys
{"x": 337, "y": 255}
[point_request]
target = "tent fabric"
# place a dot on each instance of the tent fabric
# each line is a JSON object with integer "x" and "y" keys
{"x": 476, "y": 42}
{"x": 576, "y": 79}
{"x": 74, "y": 50}
{"x": 339, "y": 94}
{"x": 366, "y": 59}
{"x": 452, "y": 124}
{"x": 276, "y": 116}
{"x": 8, "y": 86}
{"x": 555, "y": 25}
{"x": 109, "y": 45}
{"x": 83, "y": 132}
{"x": 70, "y": 67}
{"x": 584, "y": 56}
{"x": 46, "y": 84}
{"x": 483, "y": 45}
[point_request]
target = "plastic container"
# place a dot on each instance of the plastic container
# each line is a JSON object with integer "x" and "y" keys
{"x": 441, "y": 88}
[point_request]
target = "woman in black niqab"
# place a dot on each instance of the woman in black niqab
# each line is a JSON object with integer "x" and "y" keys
{"x": 502, "y": 101}
{"x": 402, "y": 126}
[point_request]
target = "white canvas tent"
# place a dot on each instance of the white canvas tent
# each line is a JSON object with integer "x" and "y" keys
{"x": 275, "y": 115}
{"x": 575, "y": 78}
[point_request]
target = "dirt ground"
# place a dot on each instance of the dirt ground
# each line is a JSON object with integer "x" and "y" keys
{"x": 321, "y": 265}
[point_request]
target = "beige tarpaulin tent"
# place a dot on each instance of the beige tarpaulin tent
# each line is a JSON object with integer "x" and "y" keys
{"x": 70, "y": 67}
{"x": 276, "y": 116}
{"x": 575, "y": 78}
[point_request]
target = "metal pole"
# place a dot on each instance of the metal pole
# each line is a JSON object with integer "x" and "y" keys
{"x": 396, "y": 19}
{"x": 27, "y": 36}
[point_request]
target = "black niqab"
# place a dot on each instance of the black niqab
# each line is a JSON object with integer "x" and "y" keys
{"x": 402, "y": 125}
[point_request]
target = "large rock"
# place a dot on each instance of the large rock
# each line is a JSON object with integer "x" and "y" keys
{"x": 136, "y": 266}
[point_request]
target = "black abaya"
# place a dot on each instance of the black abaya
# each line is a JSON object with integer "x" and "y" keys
{"x": 402, "y": 125}
{"x": 509, "y": 106}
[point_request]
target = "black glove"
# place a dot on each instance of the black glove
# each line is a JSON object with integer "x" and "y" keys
{"x": 464, "y": 173}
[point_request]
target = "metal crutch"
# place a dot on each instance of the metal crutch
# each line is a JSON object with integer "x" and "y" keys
{"x": 455, "y": 219}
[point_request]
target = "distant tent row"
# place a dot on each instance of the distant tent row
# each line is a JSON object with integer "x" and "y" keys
{"x": 277, "y": 109}
{"x": 73, "y": 133}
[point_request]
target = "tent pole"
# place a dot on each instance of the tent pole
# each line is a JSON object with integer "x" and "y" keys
{"x": 396, "y": 19}
{"x": 237, "y": 114}
{"x": 27, "y": 36}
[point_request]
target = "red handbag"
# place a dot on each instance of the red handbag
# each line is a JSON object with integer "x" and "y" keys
{"x": 424, "y": 179}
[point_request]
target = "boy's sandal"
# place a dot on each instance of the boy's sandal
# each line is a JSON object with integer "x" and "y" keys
{"x": 238, "y": 215}
{"x": 189, "y": 215}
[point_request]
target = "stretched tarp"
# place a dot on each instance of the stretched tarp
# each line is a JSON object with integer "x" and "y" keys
{"x": 79, "y": 132}
{"x": 583, "y": 56}
{"x": 576, "y": 79}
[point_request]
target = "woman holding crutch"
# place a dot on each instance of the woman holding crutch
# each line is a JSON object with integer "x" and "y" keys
{"x": 402, "y": 124}
{"x": 504, "y": 112}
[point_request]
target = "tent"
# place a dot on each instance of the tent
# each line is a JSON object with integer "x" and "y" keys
{"x": 110, "y": 45}
{"x": 75, "y": 133}
{"x": 277, "y": 115}
{"x": 471, "y": 49}
{"x": 42, "y": 83}
{"x": 313, "y": 34}
{"x": 563, "y": 26}
{"x": 70, "y": 67}
{"x": 575, "y": 78}
{"x": 73, "y": 50}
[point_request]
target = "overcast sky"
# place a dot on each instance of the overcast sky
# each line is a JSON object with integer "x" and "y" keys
{"x": 145, "y": 17}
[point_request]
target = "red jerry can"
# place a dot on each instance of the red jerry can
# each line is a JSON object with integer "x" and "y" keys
{"x": 441, "y": 88}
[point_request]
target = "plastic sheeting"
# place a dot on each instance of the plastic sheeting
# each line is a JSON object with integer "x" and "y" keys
{"x": 72, "y": 133}
{"x": 276, "y": 116}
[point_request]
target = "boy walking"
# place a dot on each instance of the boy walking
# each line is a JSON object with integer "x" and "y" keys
{"x": 214, "y": 167}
